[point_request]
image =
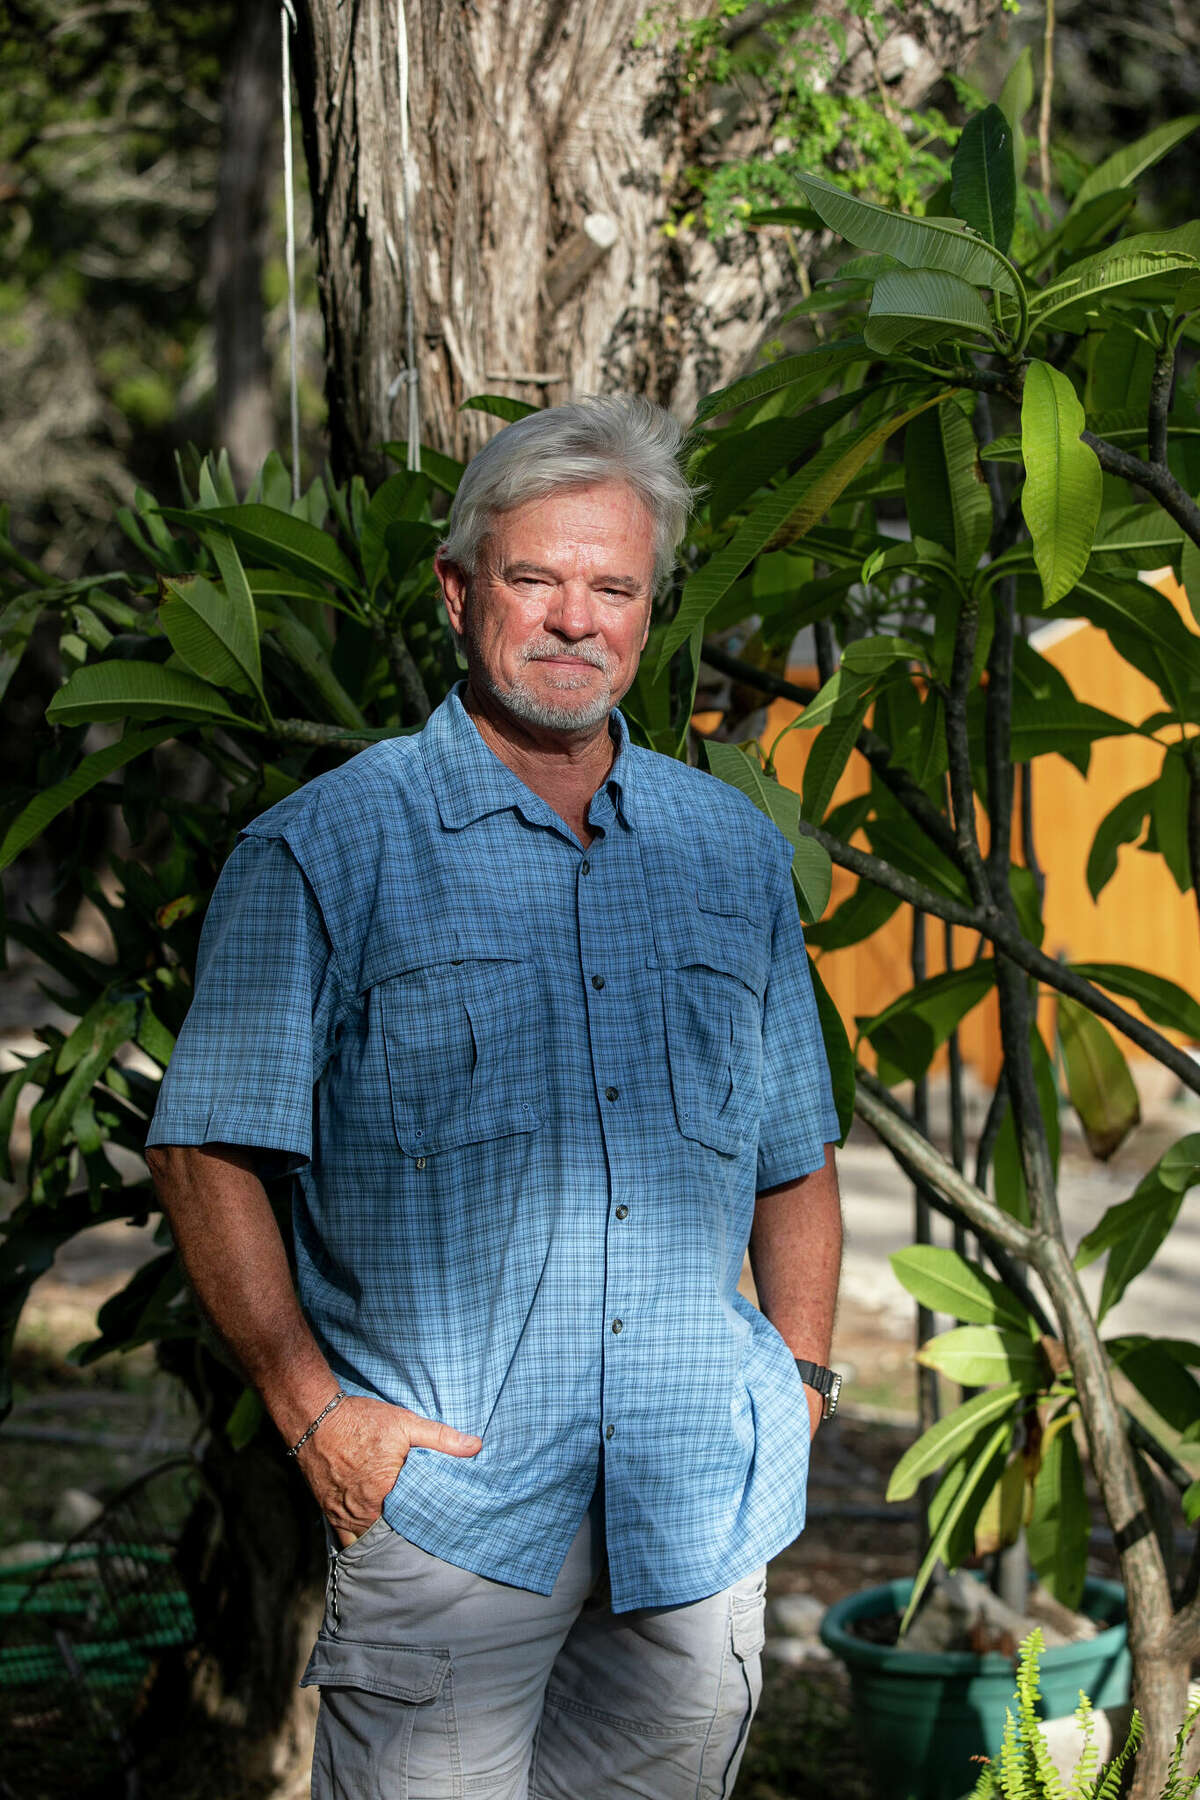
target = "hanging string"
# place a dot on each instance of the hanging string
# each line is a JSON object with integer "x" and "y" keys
{"x": 408, "y": 376}
{"x": 287, "y": 21}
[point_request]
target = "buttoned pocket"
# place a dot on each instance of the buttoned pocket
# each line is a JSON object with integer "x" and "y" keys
{"x": 465, "y": 1048}
{"x": 382, "y": 1706}
{"x": 715, "y": 962}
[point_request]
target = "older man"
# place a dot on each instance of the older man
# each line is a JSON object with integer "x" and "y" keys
{"x": 526, "y": 1011}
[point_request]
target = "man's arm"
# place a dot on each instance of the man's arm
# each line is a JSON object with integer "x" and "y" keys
{"x": 235, "y": 1260}
{"x": 796, "y": 1258}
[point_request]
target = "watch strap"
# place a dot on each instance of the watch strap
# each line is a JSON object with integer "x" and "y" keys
{"x": 826, "y": 1382}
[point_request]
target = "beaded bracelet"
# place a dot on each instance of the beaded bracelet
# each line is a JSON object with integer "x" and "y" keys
{"x": 298, "y": 1446}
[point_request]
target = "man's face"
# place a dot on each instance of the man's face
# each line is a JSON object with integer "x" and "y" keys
{"x": 556, "y": 615}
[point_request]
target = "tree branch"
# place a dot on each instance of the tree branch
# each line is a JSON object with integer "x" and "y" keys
{"x": 962, "y": 792}
{"x": 1156, "y": 480}
{"x": 405, "y": 673}
{"x": 922, "y": 1163}
{"x": 878, "y": 754}
{"x": 310, "y": 731}
{"x": 1162, "y": 383}
{"x": 1007, "y": 937}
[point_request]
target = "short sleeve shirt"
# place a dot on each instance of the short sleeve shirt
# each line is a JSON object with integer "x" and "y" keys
{"x": 527, "y": 1093}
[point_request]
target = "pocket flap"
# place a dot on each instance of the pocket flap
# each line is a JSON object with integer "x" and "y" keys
{"x": 749, "y": 1626}
{"x": 476, "y": 940}
{"x": 727, "y": 903}
{"x": 392, "y": 1669}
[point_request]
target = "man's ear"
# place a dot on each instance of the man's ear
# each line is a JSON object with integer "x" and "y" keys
{"x": 453, "y": 583}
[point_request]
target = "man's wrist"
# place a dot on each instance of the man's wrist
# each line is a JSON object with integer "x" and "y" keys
{"x": 825, "y": 1382}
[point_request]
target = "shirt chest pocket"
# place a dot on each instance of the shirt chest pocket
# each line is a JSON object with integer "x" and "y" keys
{"x": 465, "y": 1054}
{"x": 714, "y": 967}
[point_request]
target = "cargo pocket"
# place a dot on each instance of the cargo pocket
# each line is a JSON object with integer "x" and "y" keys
{"x": 714, "y": 978}
{"x": 741, "y": 1688}
{"x": 466, "y": 1053}
{"x": 374, "y": 1699}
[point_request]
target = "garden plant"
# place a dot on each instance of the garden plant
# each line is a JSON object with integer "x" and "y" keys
{"x": 988, "y": 431}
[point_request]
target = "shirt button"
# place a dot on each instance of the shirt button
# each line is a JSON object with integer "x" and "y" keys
{"x": 612, "y": 1093}
{"x": 597, "y": 982}
{"x": 618, "y": 1326}
{"x": 585, "y": 867}
{"x": 622, "y": 1212}
{"x": 608, "y": 1430}
{"x": 420, "y": 1162}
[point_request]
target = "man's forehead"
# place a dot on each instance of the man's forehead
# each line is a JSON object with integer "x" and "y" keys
{"x": 607, "y": 515}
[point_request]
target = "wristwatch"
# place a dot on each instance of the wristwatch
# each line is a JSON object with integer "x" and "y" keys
{"x": 827, "y": 1382}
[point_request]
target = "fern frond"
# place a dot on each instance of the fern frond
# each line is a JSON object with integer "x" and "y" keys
{"x": 1110, "y": 1786}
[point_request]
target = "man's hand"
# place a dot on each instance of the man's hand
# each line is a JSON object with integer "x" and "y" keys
{"x": 352, "y": 1461}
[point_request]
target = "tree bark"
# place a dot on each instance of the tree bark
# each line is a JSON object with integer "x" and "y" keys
{"x": 247, "y": 177}
{"x": 528, "y": 125}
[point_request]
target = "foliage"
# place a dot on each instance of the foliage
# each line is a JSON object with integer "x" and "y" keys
{"x": 785, "y": 56}
{"x": 1004, "y": 380}
{"x": 1024, "y": 1769}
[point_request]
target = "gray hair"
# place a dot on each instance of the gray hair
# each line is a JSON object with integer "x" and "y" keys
{"x": 610, "y": 437}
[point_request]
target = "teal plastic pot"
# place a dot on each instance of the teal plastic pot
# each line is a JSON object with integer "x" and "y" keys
{"x": 923, "y": 1716}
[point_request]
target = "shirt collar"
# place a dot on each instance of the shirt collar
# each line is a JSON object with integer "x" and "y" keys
{"x": 469, "y": 781}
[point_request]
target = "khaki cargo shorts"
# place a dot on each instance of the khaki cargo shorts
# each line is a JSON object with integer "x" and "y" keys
{"x": 437, "y": 1684}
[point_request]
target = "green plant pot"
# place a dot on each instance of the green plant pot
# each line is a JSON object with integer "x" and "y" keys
{"x": 923, "y": 1716}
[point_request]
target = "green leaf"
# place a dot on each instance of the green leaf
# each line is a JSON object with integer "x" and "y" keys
{"x": 779, "y": 518}
{"x": 1169, "y": 820}
{"x": 1059, "y": 1529}
{"x": 1016, "y": 98}
{"x": 34, "y": 818}
{"x": 1063, "y": 483}
{"x": 1121, "y": 825}
{"x": 909, "y": 1031}
{"x": 812, "y": 871}
{"x": 917, "y": 243}
{"x": 858, "y": 917}
{"x": 121, "y": 689}
{"x": 321, "y": 685}
{"x": 264, "y": 531}
{"x": 923, "y": 307}
{"x": 1191, "y": 1503}
{"x": 1118, "y": 273}
{"x": 445, "y": 472}
{"x": 1161, "y": 1000}
{"x": 983, "y": 187}
{"x": 1125, "y": 165}
{"x": 17, "y": 620}
{"x": 1098, "y": 1079}
{"x": 34, "y": 1069}
{"x": 946, "y": 1282}
{"x": 1189, "y": 575}
{"x": 1145, "y": 629}
{"x": 499, "y": 406}
{"x": 838, "y": 1053}
{"x": 946, "y": 1440}
{"x": 828, "y": 758}
{"x": 86, "y": 1054}
{"x": 244, "y": 1420}
{"x": 945, "y": 490}
{"x": 1140, "y": 537}
{"x": 960, "y": 1500}
{"x": 978, "y": 1355}
{"x": 1160, "y": 1378}
{"x": 209, "y": 628}
{"x": 1132, "y": 1230}
{"x": 743, "y": 461}
{"x": 389, "y": 503}
{"x": 782, "y": 374}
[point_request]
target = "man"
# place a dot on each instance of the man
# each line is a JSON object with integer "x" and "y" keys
{"x": 526, "y": 1010}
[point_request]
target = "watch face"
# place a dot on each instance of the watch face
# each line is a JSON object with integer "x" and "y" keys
{"x": 831, "y": 1398}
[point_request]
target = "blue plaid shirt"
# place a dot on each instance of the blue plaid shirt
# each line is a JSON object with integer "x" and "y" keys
{"x": 528, "y": 1092}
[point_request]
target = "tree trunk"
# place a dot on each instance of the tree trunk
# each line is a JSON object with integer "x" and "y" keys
{"x": 547, "y": 154}
{"x": 228, "y": 1716}
{"x": 247, "y": 177}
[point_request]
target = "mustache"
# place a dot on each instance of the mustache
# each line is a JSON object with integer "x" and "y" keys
{"x": 549, "y": 651}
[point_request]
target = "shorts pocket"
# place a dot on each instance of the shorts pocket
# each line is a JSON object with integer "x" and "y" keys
{"x": 740, "y": 1690}
{"x": 714, "y": 979}
{"x": 375, "y": 1699}
{"x": 377, "y": 1533}
{"x": 466, "y": 1055}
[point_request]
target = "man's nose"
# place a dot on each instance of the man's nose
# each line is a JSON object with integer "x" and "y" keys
{"x": 572, "y": 611}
